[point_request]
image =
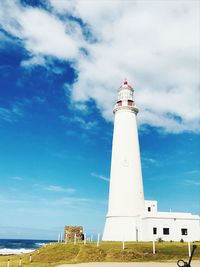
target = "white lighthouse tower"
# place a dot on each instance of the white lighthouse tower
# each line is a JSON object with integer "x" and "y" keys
{"x": 130, "y": 217}
{"x": 126, "y": 196}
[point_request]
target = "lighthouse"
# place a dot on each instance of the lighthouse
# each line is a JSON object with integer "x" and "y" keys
{"x": 130, "y": 217}
{"x": 126, "y": 195}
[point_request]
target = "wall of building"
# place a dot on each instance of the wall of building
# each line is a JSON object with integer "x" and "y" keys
{"x": 151, "y": 206}
{"x": 121, "y": 229}
{"x": 170, "y": 228}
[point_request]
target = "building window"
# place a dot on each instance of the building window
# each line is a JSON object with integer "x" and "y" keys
{"x": 165, "y": 231}
{"x": 149, "y": 209}
{"x": 155, "y": 231}
{"x": 184, "y": 231}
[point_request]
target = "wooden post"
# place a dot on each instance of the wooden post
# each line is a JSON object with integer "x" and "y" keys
{"x": 98, "y": 238}
{"x": 8, "y": 263}
{"x": 20, "y": 262}
{"x": 189, "y": 249}
{"x": 30, "y": 258}
{"x": 154, "y": 248}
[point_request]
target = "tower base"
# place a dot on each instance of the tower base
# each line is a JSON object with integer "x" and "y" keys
{"x": 121, "y": 228}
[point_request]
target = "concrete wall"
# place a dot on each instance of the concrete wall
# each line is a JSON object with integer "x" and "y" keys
{"x": 120, "y": 229}
{"x": 151, "y": 206}
{"x": 174, "y": 223}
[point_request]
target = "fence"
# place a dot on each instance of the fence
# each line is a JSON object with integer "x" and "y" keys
{"x": 95, "y": 240}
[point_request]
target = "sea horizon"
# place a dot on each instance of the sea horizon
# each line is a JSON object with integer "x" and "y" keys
{"x": 10, "y": 246}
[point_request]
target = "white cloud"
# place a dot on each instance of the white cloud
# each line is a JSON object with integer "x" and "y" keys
{"x": 57, "y": 188}
{"x": 35, "y": 60}
{"x": 5, "y": 39}
{"x": 11, "y": 114}
{"x": 149, "y": 160}
{"x": 193, "y": 172}
{"x": 155, "y": 44}
{"x": 192, "y": 183}
{"x": 39, "y": 99}
{"x": 18, "y": 178}
{"x": 42, "y": 32}
{"x": 101, "y": 177}
{"x": 71, "y": 201}
{"x": 87, "y": 125}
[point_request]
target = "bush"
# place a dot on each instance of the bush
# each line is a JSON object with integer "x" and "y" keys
{"x": 182, "y": 241}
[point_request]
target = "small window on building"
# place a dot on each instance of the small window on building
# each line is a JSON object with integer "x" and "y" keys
{"x": 149, "y": 209}
{"x": 155, "y": 231}
{"x": 184, "y": 231}
{"x": 165, "y": 231}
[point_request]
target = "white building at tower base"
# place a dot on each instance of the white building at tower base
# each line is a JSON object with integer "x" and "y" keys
{"x": 155, "y": 225}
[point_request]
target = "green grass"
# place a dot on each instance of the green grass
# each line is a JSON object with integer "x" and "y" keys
{"x": 58, "y": 253}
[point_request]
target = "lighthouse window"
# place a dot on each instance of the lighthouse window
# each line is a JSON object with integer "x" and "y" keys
{"x": 119, "y": 103}
{"x": 184, "y": 231}
{"x": 165, "y": 231}
{"x": 155, "y": 231}
{"x": 149, "y": 209}
{"x": 130, "y": 102}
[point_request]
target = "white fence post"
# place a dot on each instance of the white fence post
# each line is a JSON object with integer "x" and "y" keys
{"x": 85, "y": 238}
{"x": 20, "y": 262}
{"x": 91, "y": 238}
{"x": 8, "y": 263}
{"x": 189, "y": 249}
{"x": 154, "y": 247}
{"x": 123, "y": 245}
{"x": 58, "y": 237}
{"x": 98, "y": 238}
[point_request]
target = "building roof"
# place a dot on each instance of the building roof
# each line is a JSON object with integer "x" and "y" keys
{"x": 170, "y": 215}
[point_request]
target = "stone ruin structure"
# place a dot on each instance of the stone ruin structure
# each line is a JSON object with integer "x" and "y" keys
{"x": 71, "y": 231}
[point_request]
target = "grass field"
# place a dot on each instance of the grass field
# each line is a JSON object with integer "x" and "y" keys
{"x": 57, "y": 253}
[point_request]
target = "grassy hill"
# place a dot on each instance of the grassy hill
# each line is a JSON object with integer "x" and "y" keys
{"x": 57, "y": 253}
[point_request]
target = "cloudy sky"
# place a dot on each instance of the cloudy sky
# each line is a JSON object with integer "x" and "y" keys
{"x": 61, "y": 63}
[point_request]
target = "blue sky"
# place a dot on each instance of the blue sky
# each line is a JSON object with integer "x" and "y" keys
{"x": 60, "y": 68}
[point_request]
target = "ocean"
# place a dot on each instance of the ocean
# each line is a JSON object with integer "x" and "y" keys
{"x": 18, "y": 246}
